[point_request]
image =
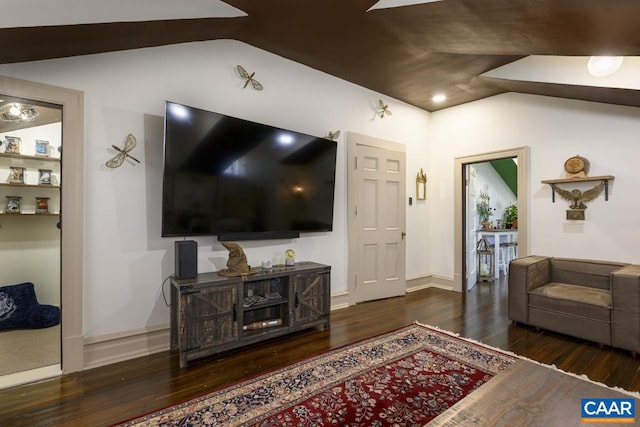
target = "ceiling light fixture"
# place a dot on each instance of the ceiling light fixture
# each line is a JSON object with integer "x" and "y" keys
{"x": 439, "y": 98}
{"x": 16, "y": 112}
{"x": 600, "y": 66}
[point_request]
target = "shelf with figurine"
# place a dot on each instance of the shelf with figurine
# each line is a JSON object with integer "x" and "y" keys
{"x": 14, "y": 206}
{"x": 21, "y": 177}
{"x": 15, "y": 156}
{"x": 577, "y": 173}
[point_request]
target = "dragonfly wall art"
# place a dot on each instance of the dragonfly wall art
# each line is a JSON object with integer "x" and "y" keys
{"x": 248, "y": 78}
{"x": 123, "y": 153}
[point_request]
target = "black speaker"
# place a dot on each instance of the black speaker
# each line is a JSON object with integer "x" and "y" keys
{"x": 186, "y": 259}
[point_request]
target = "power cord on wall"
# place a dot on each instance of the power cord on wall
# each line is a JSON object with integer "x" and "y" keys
{"x": 167, "y": 303}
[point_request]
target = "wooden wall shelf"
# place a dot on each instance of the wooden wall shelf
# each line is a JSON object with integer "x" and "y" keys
{"x": 586, "y": 179}
{"x": 603, "y": 178}
{"x": 32, "y": 214}
{"x": 25, "y": 157}
{"x": 49, "y": 187}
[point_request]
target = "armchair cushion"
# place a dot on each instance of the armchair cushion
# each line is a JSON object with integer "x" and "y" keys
{"x": 582, "y": 294}
{"x": 573, "y": 300}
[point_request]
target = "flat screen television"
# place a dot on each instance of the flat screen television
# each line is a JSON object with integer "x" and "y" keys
{"x": 242, "y": 180}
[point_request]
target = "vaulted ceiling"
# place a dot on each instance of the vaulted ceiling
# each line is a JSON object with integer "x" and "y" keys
{"x": 410, "y": 52}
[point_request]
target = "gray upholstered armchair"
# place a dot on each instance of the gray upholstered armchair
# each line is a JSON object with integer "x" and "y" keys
{"x": 594, "y": 300}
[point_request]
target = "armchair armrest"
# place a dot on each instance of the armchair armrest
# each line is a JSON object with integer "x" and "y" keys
{"x": 525, "y": 274}
{"x": 625, "y": 301}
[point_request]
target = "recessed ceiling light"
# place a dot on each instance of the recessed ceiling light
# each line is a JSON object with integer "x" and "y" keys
{"x": 285, "y": 139}
{"x": 439, "y": 98}
{"x": 16, "y": 112}
{"x": 599, "y": 66}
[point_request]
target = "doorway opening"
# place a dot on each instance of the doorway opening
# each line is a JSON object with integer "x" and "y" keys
{"x": 30, "y": 150}
{"x": 42, "y": 203}
{"x": 491, "y": 199}
{"x": 464, "y": 228}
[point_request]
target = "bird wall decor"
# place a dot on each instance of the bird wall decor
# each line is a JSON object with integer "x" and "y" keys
{"x": 383, "y": 109}
{"x": 123, "y": 153}
{"x": 248, "y": 78}
{"x": 577, "y": 197}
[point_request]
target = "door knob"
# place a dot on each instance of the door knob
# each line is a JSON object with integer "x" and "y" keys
{"x": 403, "y": 234}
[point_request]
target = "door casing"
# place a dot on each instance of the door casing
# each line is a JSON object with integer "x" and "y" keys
{"x": 71, "y": 209}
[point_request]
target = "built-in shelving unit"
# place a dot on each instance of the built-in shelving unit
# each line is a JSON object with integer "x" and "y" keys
{"x": 30, "y": 192}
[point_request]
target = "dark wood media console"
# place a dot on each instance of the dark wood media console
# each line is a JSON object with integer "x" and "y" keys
{"x": 213, "y": 313}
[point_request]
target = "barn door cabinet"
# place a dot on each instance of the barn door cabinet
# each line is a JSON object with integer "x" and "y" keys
{"x": 213, "y": 313}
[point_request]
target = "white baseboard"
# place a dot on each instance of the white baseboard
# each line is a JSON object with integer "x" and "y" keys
{"x": 112, "y": 348}
{"x": 30, "y": 376}
{"x": 339, "y": 300}
{"x": 429, "y": 281}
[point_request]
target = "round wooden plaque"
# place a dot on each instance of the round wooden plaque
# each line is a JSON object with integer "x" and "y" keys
{"x": 576, "y": 164}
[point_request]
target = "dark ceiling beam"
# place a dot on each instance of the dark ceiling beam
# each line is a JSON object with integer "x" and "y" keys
{"x": 606, "y": 95}
{"x": 38, "y": 43}
{"x": 408, "y": 53}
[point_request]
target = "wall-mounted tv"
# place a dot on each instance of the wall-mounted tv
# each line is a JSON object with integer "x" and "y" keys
{"x": 242, "y": 180}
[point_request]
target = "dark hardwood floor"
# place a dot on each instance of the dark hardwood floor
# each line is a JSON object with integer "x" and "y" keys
{"x": 114, "y": 393}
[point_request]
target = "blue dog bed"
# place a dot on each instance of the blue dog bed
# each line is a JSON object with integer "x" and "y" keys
{"x": 19, "y": 309}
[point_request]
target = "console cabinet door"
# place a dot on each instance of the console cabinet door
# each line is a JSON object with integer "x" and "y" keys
{"x": 311, "y": 296}
{"x": 211, "y": 316}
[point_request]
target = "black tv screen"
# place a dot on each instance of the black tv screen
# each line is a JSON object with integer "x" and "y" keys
{"x": 227, "y": 176}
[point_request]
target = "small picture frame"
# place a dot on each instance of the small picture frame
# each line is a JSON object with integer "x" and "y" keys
{"x": 16, "y": 175}
{"x": 45, "y": 177}
{"x": 14, "y": 205}
{"x": 42, "y": 148}
{"x": 42, "y": 205}
{"x": 12, "y": 144}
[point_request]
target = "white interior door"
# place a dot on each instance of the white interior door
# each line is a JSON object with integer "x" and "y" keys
{"x": 378, "y": 217}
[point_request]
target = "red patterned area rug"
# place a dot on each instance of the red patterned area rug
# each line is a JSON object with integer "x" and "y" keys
{"x": 405, "y": 377}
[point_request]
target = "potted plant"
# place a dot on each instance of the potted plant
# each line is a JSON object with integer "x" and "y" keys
{"x": 483, "y": 206}
{"x": 511, "y": 215}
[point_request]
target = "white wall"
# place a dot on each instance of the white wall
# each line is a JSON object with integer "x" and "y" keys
{"x": 126, "y": 260}
{"x": 555, "y": 130}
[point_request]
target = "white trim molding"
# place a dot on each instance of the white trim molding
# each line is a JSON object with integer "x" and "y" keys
{"x": 118, "y": 347}
{"x": 339, "y": 300}
{"x": 72, "y": 202}
{"x": 429, "y": 281}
